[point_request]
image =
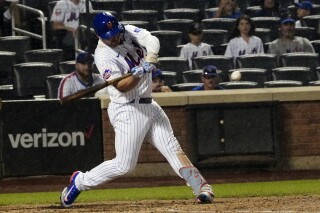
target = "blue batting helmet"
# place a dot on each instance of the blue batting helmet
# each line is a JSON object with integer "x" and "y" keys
{"x": 106, "y": 25}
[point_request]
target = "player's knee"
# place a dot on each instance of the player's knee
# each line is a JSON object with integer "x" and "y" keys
{"x": 122, "y": 170}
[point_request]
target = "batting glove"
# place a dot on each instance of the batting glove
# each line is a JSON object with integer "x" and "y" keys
{"x": 137, "y": 71}
{"x": 148, "y": 67}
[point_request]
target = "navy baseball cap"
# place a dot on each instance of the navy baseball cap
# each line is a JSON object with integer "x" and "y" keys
{"x": 287, "y": 20}
{"x": 195, "y": 28}
{"x": 304, "y": 5}
{"x": 157, "y": 73}
{"x": 210, "y": 70}
{"x": 84, "y": 58}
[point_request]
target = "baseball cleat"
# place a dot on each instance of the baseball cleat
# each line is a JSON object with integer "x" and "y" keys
{"x": 70, "y": 193}
{"x": 204, "y": 198}
{"x": 206, "y": 195}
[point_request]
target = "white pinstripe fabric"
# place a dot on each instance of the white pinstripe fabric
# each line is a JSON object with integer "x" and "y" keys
{"x": 132, "y": 123}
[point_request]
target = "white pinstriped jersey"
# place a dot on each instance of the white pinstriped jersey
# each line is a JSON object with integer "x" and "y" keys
{"x": 114, "y": 62}
{"x": 71, "y": 84}
{"x": 191, "y": 51}
{"x": 238, "y": 47}
{"x": 67, "y": 12}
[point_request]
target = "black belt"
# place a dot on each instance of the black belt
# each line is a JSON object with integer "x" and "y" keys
{"x": 142, "y": 101}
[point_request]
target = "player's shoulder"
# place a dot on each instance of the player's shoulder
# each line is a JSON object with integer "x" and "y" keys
{"x": 133, "y": 29}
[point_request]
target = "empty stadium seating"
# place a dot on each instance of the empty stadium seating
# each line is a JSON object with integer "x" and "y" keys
{"x": 169, "y": 40}
{"x": 115, "y": 5}
{"x": 174, "y": 64}
{"x": 252, "y": 74}
{"x": 192, "y": 76}
{"x": 169, "y": 78}
{"x": 182, "y": 13}
{"x": 150, "y": 16}
{"x": 7, "y": 61}
{"x": 52, "y": 85}
{"x": 282, "y": 83}
{"x": 17, "y": 44}
{"x": 302, "y": 74}
{"x": 184, "y": 86}
{"x": 53, "y": 56}
{"x": 301, "y": 59}
{"x": 29, "y": 78}
{"x": 222, "y": 63}
{"x": 239, "y": 85}
{"x": 67, "y": 67}
{"x": 219, "y": 23}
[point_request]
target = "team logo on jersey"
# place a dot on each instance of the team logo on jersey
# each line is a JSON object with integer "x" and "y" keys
{"x": 109, "y": 25}
{"x": 137, "y": 30}
{"x": 107, "y": 73}
{"x": 73, "y": 17}
{"x": 58, "y": 12}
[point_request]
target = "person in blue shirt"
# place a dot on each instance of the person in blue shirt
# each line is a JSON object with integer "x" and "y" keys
{"x": 228, "y": 9}
{"x": 210, "y": 78}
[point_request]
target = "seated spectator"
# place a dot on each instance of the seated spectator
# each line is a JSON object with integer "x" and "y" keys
{"x": 65, "y": 21}
{"x": 243, "y": 41}
{"x": 158, "y": 83}
{"x": 287, "y": 41}
{"x": 304, "y": 9}
{"x": 195, "y": 47}
{"x": 228, "y": 9}
{"x": 210, "y": 79}
{"x": 81, "y": 78}
{"x": 269, "y": 8}
{"x": 7, "y": 7}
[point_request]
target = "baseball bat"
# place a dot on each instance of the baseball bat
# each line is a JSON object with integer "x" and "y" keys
{"x": 93, "y": 89}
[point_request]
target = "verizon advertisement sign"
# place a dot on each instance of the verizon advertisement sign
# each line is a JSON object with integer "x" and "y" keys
{"x": 45, "y": 138}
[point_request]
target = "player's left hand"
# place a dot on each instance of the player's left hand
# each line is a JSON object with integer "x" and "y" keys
{"x": 137, "y": 71}
{"x": 148, "y": 67}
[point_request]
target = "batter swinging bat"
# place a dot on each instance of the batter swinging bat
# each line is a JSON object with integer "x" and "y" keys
{"x": 93, "y": 89}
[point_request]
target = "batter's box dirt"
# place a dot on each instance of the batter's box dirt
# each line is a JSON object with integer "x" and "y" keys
{"x": 286, "y": 204}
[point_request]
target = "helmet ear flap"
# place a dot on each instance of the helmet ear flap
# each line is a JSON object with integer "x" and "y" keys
{"x": 121, "y": 28}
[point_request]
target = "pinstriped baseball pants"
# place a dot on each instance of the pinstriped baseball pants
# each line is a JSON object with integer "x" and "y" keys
{"x": 132, "y": 123}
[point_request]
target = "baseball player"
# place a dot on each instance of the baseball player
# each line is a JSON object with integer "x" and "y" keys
{"x": 65, "y": 21}
{"x": 81, "y": 78}
{"x": 132, "y": 111}
{"x": 243, "y": 41}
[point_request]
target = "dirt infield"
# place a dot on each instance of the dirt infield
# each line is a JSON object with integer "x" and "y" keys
{"x": 286, "y": 204}
{"x": 256, "y": 204}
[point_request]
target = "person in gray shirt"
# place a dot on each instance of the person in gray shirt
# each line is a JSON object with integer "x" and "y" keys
{"x": 287, "y": 41}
